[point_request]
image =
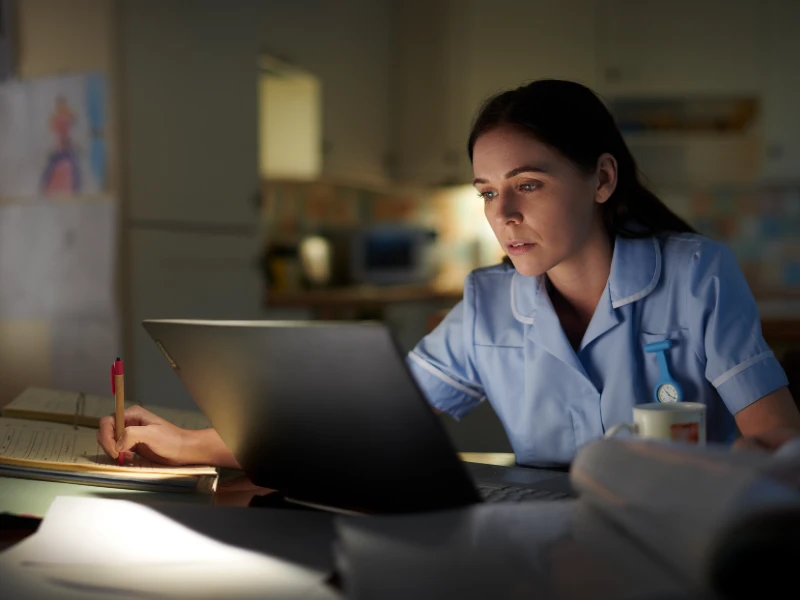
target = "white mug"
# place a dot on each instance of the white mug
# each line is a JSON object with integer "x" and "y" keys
{"x": 678, "y": 421}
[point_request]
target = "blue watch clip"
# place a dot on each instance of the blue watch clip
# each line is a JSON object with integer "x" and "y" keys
{"x": 665, "y": 378}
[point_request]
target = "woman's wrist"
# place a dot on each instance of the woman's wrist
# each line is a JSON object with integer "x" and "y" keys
{"x": 205, "y": 447}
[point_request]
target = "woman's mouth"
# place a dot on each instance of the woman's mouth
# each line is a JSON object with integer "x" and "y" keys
{"x": 517, "y": 248}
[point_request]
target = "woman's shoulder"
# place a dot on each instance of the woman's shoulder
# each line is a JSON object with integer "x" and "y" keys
{"x": 696, "y": 269}
{"x": 689, "y": 244}
{"x": 489, "y": 280}
{"x": 683, "y": 252}
{"x": 487, "y": 298}
{"x": 488, "y": 286}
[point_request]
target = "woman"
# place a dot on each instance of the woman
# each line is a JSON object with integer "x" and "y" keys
{"x": 599, "y": 268}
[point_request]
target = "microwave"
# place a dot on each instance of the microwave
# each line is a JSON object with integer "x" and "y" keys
{"x": 393, "y": 255}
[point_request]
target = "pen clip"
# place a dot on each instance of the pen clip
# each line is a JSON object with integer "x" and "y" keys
{"x": 113, "y": 385}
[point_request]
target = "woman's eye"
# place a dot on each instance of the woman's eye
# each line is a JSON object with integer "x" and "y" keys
{"x": 528, "y": 187}
{"x": 487, "y": 195}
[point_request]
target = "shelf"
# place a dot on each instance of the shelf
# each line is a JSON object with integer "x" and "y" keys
{"x": 361, "y": 297}
{"x": 667, "y": 137}
{"x": 780, "y": 317}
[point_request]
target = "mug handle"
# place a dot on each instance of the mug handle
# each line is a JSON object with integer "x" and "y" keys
{"x": 619, "y": 427}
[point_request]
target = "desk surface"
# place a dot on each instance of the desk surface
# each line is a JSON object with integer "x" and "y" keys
{"x": 32, "y": 497}
{"x": 608, "y": 561}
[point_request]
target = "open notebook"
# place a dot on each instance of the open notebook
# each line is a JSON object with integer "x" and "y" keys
{"x": 59, "y": 452}
{"x": 76, "y": 408}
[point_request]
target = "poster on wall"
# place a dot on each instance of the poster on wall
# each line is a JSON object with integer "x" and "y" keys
{"x": 52, "y": 137}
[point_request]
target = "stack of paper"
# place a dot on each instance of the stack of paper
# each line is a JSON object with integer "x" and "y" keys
{"x": 58, "y": 452}
{"x": 685, "y": 504}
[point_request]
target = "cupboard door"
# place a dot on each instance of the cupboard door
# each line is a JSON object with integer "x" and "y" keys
{"x": 511, "y": 43}
{"x": 346, "y": 44}
{"x": 419, "y": 101}
{"x": 190, "y": 109}
{"x": 451, "y": 55}
{"x": 679, "y": 47}
{"x": 781, "y": 92}
{"x": 189, "y": 275}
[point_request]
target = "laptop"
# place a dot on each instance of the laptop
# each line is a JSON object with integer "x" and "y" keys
{"x": 329, "y": 414}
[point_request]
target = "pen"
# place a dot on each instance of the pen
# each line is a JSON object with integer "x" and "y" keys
{"x": 118, "y": 389}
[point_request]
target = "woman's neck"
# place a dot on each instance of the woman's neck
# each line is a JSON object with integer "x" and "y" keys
{"x": 579, "y": 282}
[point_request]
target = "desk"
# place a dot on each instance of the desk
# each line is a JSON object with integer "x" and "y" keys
{"x": 32, "y": 497}
{"x": 567, "y": 548}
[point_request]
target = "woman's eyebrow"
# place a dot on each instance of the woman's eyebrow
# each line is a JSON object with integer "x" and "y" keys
{"x": 517, "y": 171}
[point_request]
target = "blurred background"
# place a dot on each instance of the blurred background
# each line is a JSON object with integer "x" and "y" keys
{"x": 266, "y": 159}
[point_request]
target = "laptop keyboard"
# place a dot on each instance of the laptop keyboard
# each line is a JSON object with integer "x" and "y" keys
{"x": 511, "y": 493}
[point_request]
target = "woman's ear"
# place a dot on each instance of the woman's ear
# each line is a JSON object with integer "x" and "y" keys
{"x": 606, "y": 173}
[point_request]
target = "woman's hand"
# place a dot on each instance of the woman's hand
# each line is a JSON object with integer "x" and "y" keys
{"x": 149, "y": 436}
{"x": 768, "y": 423}
{"x": 160, "y": 441}
{"x": 769, "y": 440}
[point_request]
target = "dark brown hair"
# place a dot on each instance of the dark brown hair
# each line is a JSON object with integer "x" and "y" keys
{"x": 571, "y": 119}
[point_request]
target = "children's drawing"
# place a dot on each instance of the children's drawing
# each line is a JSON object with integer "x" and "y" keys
{"x": 62, "y": 173}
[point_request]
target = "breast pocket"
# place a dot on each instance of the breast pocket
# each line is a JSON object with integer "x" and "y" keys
{"x": 682, "y": 361}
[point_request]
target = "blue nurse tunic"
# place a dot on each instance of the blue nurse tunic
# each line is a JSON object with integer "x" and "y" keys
{"x": 504, "y": 342}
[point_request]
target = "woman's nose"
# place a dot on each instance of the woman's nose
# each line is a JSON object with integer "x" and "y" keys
{"x": 508, "y": 212}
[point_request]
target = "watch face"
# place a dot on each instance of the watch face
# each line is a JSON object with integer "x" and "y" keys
{"x": 667, "y": 393}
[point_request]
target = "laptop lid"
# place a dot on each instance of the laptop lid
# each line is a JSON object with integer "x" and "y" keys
{"x": 326, "y": 412}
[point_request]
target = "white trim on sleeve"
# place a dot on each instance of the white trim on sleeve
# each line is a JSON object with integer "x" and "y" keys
{"x": 444, "y": 377}
{"x": 741, "y": 367}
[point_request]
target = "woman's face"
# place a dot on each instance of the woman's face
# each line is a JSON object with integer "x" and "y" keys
{"x": 541, "y": 207}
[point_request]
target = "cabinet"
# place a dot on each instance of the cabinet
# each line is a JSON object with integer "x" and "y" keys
{"x": 781, "y": 115}
{"x": 191, "y": 110}
{"x": 346, "y": 45}
{"x": 423, "y": 127}
{"x": 650, "y": 47}
{"x": 452, "y": 55}
{"x": 510, "y": 43}
{"x": 190, "y": 275}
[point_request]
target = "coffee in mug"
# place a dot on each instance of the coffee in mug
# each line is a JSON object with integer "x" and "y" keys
{"x": 678, "y": 421}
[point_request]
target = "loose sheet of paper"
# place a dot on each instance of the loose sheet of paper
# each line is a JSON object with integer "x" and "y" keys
{"x": 124, "y": 548}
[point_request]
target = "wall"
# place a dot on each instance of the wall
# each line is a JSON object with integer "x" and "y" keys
{"x": 56, "y": 37}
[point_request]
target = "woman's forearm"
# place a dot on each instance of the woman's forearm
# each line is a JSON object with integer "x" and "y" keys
{"x": 205, "y": 447}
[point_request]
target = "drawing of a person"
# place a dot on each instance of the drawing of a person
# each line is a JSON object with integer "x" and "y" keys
{"x": 62, "y": 172}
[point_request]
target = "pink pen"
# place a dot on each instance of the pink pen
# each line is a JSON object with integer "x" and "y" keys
{"x": 118, "y": 389}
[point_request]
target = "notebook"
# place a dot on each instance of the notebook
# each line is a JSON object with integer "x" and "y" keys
{"x": 697, "y": 508}
{"x": 76, "y": 408}
{"x": 66, "y": 453}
